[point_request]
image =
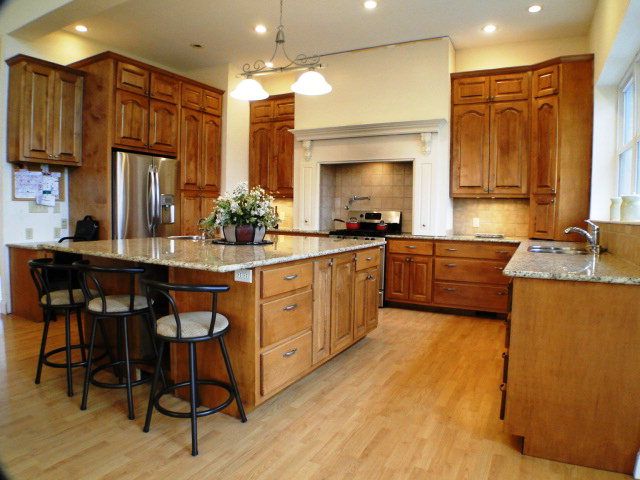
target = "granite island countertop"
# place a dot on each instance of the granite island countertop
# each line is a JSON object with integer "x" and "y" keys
{"x": 603, "y": 268}
{"x": 204, "y": 255}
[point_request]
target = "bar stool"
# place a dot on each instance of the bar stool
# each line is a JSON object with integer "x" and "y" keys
{"x": 58, "y": 294}
{"x": 190, "y": 328}
{"x": 118, "y": 308}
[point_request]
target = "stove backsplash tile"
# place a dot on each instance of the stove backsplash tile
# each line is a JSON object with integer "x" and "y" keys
{"x": 507, "y": 216}
{"x": 389, "y": 184}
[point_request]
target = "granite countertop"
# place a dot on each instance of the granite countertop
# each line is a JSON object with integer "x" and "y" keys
{"x": 458, "y": 238}
{"x": 30, "y": 245}
{"x": 297, "y": 230}
{"x": 204, "y": 255}
{"x": 605, "y": 268}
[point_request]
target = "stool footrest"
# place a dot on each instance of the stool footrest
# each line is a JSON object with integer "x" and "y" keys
{"x": 112, "y": 365}
{"x": 49, "y": 363}
{"x": 202, "y": 413}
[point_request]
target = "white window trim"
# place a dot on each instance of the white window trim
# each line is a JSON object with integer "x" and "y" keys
{"x": 633, "y": 73}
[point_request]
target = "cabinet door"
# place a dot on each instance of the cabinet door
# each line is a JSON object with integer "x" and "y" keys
{"x": 371, "y": 300}
{"x": 509, "y": 87}
{"x": 67, "y": 117}
{"x": 281, "y": 168}
{"x": 360, "y": 304}
{"x": 470, "y": 90}
{"x": 542, "y": 216}
{"x": 165, "y": 88}
{"x": 342, "y": 283}
{"x": 420, "y": 269}
{"x": 207, "y": 203}
{"x": 284, "y": 108}
{"x": 397, "y": 277}
{"x": 212, "y": 102}
{"x": 470, "y": 150}
{"x": 544, "y": 145}
{"x": 210, "y": 169}
{"x": 260, "y": 140}
{"x": 36, "y": 130}
{"x": 163, "y": 126}
{"x": 191, "y": 96}
{"x": 190, "y": 147}
{"x": 509, "y": 158}
{"x": 132, "y": 78}
{"x": 190, "y": 212}
{"x": 545, "y": 81}
{"x": 261, "y": 110}
{"x": 321, "y": 309}
{"x": 132, "y": 119}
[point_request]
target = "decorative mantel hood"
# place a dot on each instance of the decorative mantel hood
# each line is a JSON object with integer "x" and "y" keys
{"x": 425, "y": 143}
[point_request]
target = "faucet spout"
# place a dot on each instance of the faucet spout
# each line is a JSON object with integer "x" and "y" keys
{"x": 593, "y": 238}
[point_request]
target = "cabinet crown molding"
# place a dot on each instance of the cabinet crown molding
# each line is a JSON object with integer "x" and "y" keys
{"x": 369, "y": 130}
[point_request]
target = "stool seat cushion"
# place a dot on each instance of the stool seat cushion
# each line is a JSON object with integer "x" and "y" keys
{"x": 192, "y": 325}
{"x": 61, "y": 297}
{"x": 118, "y": 303}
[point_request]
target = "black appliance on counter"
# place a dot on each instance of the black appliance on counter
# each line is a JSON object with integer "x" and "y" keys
{"x": 370, "y": 227}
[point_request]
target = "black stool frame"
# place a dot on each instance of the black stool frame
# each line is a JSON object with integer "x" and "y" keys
{"x": 41, "y": 270}
{"x": 162, "y": 289}
{"x": 88, "y": 276}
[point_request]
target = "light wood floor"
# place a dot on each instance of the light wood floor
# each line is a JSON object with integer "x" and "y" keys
{"x": 416, "y": 399}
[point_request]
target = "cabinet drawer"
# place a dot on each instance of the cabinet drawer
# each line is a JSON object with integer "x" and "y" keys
{"x": 191, "y": 96}
{"x": 212, "y": 102}
{"x": 479, "y": 271}
{"x": 285, "y": 279}
{"x": 165, "y": 88}
{"x": 132, "y": 78}
{"x": 285, "y": 317}
{"x": 367, "y": 259}
{"x": 545, "y": 81}
{"x": 509, "y": 87}
{"x": 479, "y": 250}
{"x": 414, "y": 247}
{"x": 285, "y": 362}
{"x": 480, "y": 297}
{"x": 470, "y": 90}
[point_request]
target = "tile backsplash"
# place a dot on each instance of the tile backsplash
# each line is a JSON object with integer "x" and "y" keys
{"x": 510, "y": 217}
{"x": 285, "y": 211}
{"x": 621, "y": 239}
{"x": 389, "y": 184}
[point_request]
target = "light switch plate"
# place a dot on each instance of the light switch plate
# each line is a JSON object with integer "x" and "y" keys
{"x": 476, "y": 222}
{"x": 28, "y": 233}
{"x": 244, "y": 275}
{"x": 56, "y": 208}
{"x": 64, "y": 223}
{"x": 35, "y": 208}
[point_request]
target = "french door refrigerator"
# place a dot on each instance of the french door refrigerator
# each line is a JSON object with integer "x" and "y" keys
{"x": 145, "y": 194}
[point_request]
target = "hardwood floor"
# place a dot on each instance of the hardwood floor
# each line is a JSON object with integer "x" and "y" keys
{"x": 418, "y": 398}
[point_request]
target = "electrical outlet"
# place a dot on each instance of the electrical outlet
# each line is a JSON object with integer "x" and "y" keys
{"x": 64, "y": 223}
{"x": 244, "y": 276}
{"x": 56, "y": 208}
{"x": 28, "y": 233}
{"x": 57, "y": 232}
{"x": 476, "y": 222}
{"x": 35, "y": 208}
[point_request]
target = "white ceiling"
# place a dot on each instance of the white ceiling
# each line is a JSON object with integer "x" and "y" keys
{"x": 162, "y": 30}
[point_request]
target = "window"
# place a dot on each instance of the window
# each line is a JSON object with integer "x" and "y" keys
{"x": 629, "y": 133}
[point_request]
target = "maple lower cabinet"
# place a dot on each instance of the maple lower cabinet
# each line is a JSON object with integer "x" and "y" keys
{"x": 271, "y": 145}
{"x": 194, "y": 206}
{"x": 342, "y": 302}
{"x": 45, "y": 112}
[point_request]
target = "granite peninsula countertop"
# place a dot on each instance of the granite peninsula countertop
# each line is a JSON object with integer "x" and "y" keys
{"x": 605, "y": 268}
{"x": 458, "y": 238}
{"x": 29, "y": 245}
{"x": 204, "y": 255}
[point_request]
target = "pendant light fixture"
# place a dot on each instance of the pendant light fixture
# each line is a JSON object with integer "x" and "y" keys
{"x": 310, "y": 82}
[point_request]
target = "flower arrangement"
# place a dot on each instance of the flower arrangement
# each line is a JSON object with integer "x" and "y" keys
{"x": 244, "y": 208}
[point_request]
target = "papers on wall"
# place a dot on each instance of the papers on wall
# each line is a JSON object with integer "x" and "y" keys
{"x": 41, "y": 186}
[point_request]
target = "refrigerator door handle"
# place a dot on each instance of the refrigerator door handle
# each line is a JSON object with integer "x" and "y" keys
{"x": 158, "y": 213}
{"x": 151, "y": 200}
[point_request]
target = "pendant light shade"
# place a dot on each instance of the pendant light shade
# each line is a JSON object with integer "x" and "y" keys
{"x": 311, "y": 83}
{"x": 249, "y": 89}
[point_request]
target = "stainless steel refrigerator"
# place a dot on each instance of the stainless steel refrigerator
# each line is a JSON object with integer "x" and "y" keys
{"x": 145, "y": 196}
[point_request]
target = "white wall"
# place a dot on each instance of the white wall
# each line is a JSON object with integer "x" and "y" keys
{"x": 521, "y": 53}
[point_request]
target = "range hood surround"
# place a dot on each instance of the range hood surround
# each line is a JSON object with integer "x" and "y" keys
{"x": 424, "y": 143}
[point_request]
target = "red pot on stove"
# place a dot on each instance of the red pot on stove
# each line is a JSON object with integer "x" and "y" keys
{"x": 381, "y": 227}
{"x": 353, "y": 224}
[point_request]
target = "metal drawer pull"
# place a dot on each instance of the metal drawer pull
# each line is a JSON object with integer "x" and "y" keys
{"x": 288, "y": 308}
{"x": 503, "y": 251}
{"x": 290, "y": 352}
{"x": 505, "y": 354}
{"x": 450, "y": 265}
{"x": 290, "y": 277}
{"x": 499, "y": 268}
{"x": 370, "y": 277}
{"x": 450, "y": 289}
{"x": 503, "y": 387}
{"x": 410, "y": 246}
{"x": 502, "y": 293}
{"x": 369, "y": 259}
{"x": 452, "y": 249}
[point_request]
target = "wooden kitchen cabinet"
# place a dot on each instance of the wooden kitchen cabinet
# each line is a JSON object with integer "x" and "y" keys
{"x": 546, "y": 81}
{"x": 194, "y": 206}
{"x": 470, "y": 90}
{"x": 163, "y": 126}
{"x": 365, "y": 302}
{"x": 544, "y": 148}
{"x": 132, "y": 119}
{"x": 45, "y": 112}
{"x": 165, "y": 88}
{"x": 510, "y": 86}
{"x": 542, "y": 216}
{"x": 24, "y": 295}
{"x": 132, "y": 78}
{"x": 322, "y": 275}
{"x": 271, "y": 145}
{"x": 408, "y": 278}
{"x": 470, "y": 150}
{"x": 201, "y": 99}
{"x": 200, "y": 154}
{"x": 342, "y": 302}
{"x": 397, "y": 277}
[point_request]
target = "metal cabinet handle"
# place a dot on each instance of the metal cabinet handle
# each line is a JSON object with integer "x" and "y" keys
{"x": 288, "y": 308}
{"x": 330, "y": 263}
{"x": 450, "y": 265}
{"x": 370, "y": 277}
{"x": 368, "y": 259}
{"x": 502, "y": 293}
{"x": 498, "y": 268}
{"x": 449, "y": 289}
{"x": 290, "y": 277}
{"x": 410, "y": 246}
{"x": 502, "y": 252}
{"x": 452, "y": 249}
{"x": 503, "y": 387}
{"x": 290, "y": 352}
{"x": 505, "y": 354}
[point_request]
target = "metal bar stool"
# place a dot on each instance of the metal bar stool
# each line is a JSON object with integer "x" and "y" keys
{"x": 190, "y": 328}
{"x": 120, "y": 308}
{"x": 58, "y": 293}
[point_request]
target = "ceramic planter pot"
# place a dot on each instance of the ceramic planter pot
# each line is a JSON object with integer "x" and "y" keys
{"x": 243, "y": 233}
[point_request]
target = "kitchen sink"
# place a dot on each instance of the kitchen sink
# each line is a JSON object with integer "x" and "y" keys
{"x": 186, "y": 237}
{"x": 561, "y": 250}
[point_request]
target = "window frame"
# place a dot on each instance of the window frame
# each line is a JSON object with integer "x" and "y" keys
{"x": 633, "y": 145}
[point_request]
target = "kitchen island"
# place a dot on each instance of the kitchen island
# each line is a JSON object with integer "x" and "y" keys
{"x": 292, "y": 306}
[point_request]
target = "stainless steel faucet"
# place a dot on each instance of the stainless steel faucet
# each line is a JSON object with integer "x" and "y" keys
{"x": 354, "y": 199}
{"x": 593, "y": 238}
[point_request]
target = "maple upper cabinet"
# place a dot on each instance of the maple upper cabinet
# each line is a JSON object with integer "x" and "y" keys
{"x": 45, "y": 112}
{"x": 271, "y": 145}
{"x": 490, "y": 136}
{"x": 132, "y": 119}
{"x": 200, "y": 151}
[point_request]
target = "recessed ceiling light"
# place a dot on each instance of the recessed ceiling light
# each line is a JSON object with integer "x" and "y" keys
{"x": 370, "y": 4}
{"x": 260, "y": 28}
{"x": 81, "y": 28}
{"x": 489, "y": 28}
{"x": 268, "y": 64}
{"x": 535, "y": 8}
